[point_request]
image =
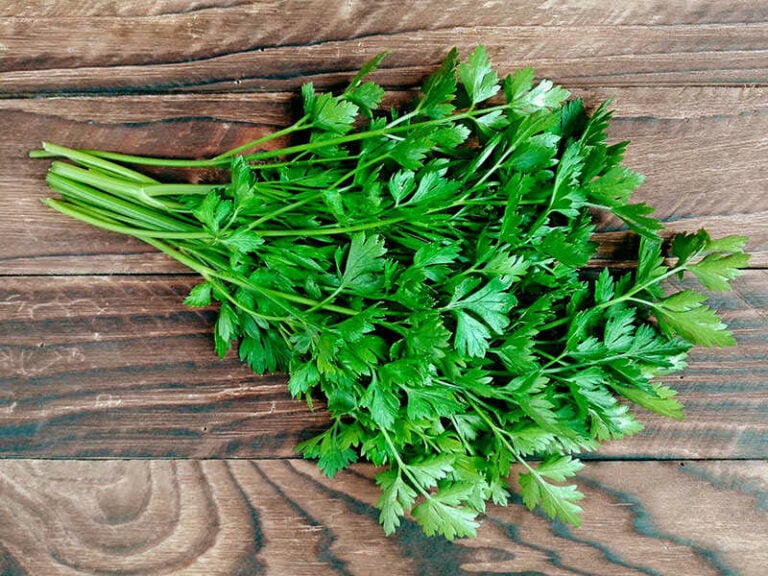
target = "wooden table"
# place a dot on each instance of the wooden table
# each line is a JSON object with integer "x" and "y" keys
{"x": 128, "y": 448}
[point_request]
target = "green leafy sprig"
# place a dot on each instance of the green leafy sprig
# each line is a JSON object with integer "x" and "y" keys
{"x": 423, "y": 272}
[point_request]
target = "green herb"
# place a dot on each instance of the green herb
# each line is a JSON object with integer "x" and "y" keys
{"x": 423, "y": 272}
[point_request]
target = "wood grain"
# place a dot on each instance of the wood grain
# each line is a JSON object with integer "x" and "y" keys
{"x": 697, "y": 145}
{"x": 281, "y": 517}
{"x": 117, "y": 366}
{"x": 61, "y": 47}
{"x": 100, "y": 361}
{"x": 510, "y": 12}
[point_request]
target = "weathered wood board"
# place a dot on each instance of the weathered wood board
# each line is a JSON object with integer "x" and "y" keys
{"x": 127, "y": 447}
{"x": 280, "y": 517}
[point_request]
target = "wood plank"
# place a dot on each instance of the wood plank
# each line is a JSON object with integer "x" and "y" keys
{"x": 560, "y": 13}
{"x": 281, "y": 517}
{"x": 69, "y": 47}
{"x": 697, "y": 146}
{"x": 116, "y": 366}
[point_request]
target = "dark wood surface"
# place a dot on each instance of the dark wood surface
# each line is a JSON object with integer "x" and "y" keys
{"x": 127, "y": 447}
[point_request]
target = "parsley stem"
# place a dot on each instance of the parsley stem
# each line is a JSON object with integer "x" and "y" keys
{"x": 547, "y": 355}
{"x": 404, "y": 117}
{"x": 402, "y": 467}
{"x": 153, "y": 161}
{"x": 179, "y": 189}
{"x": 331, "y": 230}
{"x": 307, "y": 301}
{"x": 128, "y": 212}
{"x": 295, "y": 298}
{"x": 629, "y": 295}
{"x": 87, "y": 216}
{"x": 393, "y": 448}
{"x": 109, "y": 184}
{"x": 554, "y": 360}
{"x": 283, "y": 209}
{"x": 365, "y": 134}
{"x": 556, "y": 323}
{"x": 208, "y": 272}
{"x": 579, "y": 366}
{"x": 301, "y": 124}
{"x": 222, "y": 160}
{"x": 235, "y": 302}
{"x": 93, "y": 161}
{"x": 496, "y": 430}
{"x": 309, "y": 162}
{"x": 512, "y": 147}
{"x": 640, "y": 287}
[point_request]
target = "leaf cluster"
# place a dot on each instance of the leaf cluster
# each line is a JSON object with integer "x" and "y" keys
{"x": 422, "y": 273}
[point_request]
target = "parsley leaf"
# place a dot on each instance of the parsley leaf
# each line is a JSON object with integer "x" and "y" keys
{"x": 478, "y": 76}
{"x": 332, "y": 113}
{"x": 439, "y": 89}
{"x": 685, "y": 314}
{"x": 557, "y": 501}
{"x": 436, "y": 517}
{"x": 199, "y": 296}
{"x": 716, "y": 270}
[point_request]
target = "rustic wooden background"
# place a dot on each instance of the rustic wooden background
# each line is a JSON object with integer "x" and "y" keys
{"x": 126, "y": 447}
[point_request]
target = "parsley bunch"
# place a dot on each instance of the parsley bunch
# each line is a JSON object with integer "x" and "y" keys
{"x": 423, "y": 273}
